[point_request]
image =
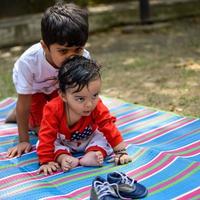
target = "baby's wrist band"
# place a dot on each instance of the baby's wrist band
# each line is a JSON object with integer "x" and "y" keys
{"x": 121, "y": 152}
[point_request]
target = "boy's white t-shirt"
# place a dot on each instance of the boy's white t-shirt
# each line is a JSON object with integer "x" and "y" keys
{"x": 33, "y": 74}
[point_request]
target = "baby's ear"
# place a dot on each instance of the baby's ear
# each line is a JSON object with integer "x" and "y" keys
{"x": 62, "y": 95}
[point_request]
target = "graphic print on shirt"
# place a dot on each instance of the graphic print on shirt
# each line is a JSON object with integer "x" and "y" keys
{"x": 77, "y": 135}
{"x": 48, "y": 83}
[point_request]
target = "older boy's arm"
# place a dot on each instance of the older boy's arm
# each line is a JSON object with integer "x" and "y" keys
{"x": 22, "y": 113}
{"x": 121, "y": 155}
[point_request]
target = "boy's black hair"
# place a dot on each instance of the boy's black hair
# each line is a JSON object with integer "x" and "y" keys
{"x": 65, "y": 24}
{"x": 77, "y": 71}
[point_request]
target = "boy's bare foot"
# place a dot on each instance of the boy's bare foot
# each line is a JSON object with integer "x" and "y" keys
{"x": 92, "y": 158}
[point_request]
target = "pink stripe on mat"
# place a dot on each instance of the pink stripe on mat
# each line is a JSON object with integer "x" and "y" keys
{"x": 150, "y": 135}
{"x": 145, "y": 123}
{"x": 194, "y": 194}
{"x": 175, "y": 178}
{"x": 153, "y": 167}
{"x": 6, "y": 102}
{"x": 9, "y": 131}
{"x": 193, "y": 149}
{"x": 72, "y": 194}
{"x": 135, "y": 116}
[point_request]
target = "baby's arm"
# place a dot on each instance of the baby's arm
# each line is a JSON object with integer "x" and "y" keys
{"x": 106, "y": 125}
{"x": 121, "y": 155}
{"x": 22, "y": 114}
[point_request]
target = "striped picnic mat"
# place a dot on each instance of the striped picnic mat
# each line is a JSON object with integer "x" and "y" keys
{"x": 165, "y": 148}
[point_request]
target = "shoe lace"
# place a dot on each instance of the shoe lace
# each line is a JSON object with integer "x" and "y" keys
{"x": 126, "y": 180}
{"x": 104, "y": 189}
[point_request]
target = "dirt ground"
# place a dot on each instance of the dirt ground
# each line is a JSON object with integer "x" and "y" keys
{"x": 156, "y": 66}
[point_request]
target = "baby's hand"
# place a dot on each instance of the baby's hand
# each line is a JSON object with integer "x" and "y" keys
{"x": 121, "y": 159}
{"x": 48, "y": 168}
{"x": 22, "y": 147}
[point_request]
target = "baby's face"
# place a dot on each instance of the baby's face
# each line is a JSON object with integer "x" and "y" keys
{"x": 83, "y": 102}
{"x": 57, "y": 53}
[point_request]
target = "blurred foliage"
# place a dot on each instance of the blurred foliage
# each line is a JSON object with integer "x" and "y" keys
{"x": 14, "y": 8}
{"x": 96, "y": 2}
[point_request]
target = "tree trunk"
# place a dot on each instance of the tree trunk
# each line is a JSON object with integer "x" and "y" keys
{"x": 144, "y": 8}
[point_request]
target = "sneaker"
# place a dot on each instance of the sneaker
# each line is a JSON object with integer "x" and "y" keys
{"x": 102, "y": 190}
{"x": 127, "y": 187}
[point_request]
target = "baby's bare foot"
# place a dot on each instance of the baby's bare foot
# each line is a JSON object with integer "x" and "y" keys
{"x": 69, "y": 162}
{"x": 92, "y": 158}
{"x": 99, "y": 157}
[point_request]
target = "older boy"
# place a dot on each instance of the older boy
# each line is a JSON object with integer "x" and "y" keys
{"x": 64, "y": 29}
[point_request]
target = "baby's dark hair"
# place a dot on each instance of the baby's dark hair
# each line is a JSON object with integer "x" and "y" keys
{"x": 77, "y": 71}
{"x": 65, "y": 24}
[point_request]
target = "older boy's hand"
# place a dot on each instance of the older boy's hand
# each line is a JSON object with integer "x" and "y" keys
{"x": 17, "y": 151}
{"x": 48, "y": 168}
{"x": 121, "y": 159}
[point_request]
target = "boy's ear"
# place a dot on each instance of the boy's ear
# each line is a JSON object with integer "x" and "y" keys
{"x": 44, "y": 46}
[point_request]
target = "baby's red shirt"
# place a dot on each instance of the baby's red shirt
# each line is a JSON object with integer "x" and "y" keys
{"x": 54, "y": 121}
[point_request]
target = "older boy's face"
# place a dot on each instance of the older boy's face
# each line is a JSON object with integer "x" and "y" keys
{"x": 57, "y": 53}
